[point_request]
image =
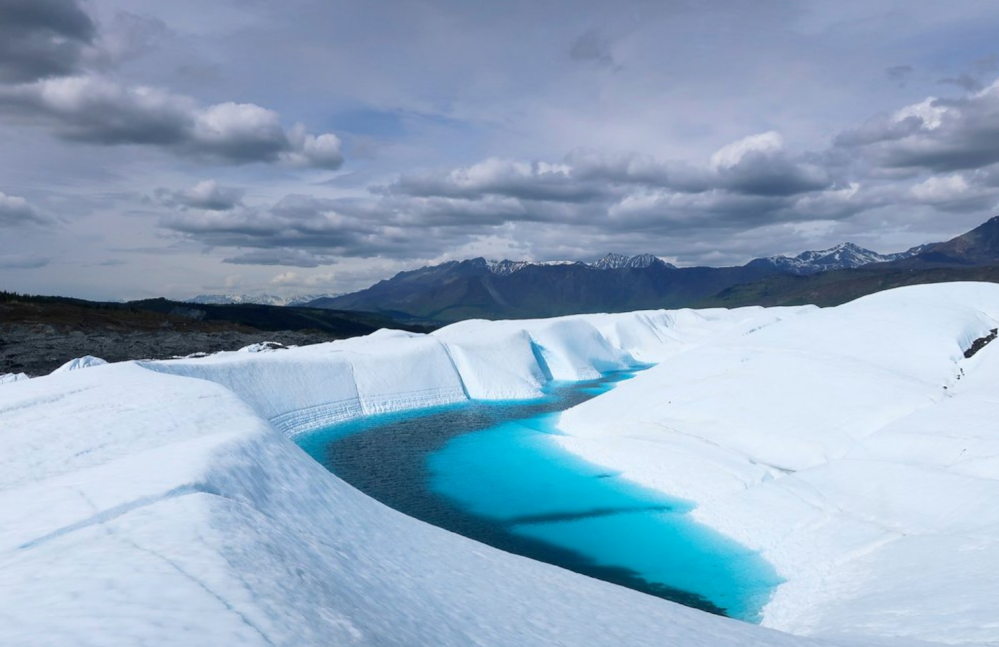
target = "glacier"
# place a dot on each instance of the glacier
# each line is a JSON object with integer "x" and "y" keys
{"x": 855, "y": 447}
{"x": 10, "y": 378}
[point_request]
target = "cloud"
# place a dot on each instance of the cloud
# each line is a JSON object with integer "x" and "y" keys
{"x": 23, "y": 261}
{"x": 127, "y": 37}
{"x": 282, "y": 256}
{"x": 591, "y": 47}
{"x": 495, "y": 177}
{"x": 622, "y": 168}
{"x": 206, "y": 195}
{"x": 935, "y": 135}
{"x": 987, "y": 64}
{"x": 42, "y": 38}
{"x": 621, "y": 199}
{"x": 296, "y": 222}
{"x": 96, "y": 110}
{"x": 755, "y": 165}
{"x": 587, "y": 185}
{"x": 956, "y": 193}
{"x": 964, "y": 81}
{"x": 758, "y": 165}
{"x": 899, "y": 74}
{"x": 15, "y": 211}
{"x": 296, "y": 280}
{"x": 306, "y": 231}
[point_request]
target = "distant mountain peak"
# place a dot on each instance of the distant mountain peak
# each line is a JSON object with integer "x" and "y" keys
{"x": 839, "y": 257}
{"x": 507, "y": 266}
{"x": 608, "y": 262}
{"x": 618, "y": 261}
{"x": 976, "y": 247}
{"x": 257, "y": 299}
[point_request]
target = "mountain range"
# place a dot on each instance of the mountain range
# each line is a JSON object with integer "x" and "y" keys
{"x": 257, "y": 299}
{"x": 488, "y": 289}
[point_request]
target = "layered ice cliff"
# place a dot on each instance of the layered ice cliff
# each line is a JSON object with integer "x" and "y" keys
{"x": 156, "y": 502}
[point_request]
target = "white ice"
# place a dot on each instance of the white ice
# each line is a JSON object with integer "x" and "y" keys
{"x": 156, "y": 502}
{"x": 80, "y": 362}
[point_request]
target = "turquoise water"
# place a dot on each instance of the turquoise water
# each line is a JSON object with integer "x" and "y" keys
{"x": 493, "y": 472}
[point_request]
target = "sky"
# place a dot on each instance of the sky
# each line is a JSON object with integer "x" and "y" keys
{"x": 318, "y": 146}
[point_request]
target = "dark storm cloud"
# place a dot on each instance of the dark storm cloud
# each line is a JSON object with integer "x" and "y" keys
{"x": 206, "y": 195}
{"x": 42, "y": 38}
{"x": 98, "y": 111}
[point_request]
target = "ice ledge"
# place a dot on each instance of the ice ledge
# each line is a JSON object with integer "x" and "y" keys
{"x": 301, "y": 389}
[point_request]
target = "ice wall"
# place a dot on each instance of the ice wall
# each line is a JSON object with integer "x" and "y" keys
{"x": 300, "y": 389}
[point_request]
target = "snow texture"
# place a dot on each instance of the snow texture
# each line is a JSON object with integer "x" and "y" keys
{"x": 9, "y": 378}
{"x": 155, "y": 502}
{"x": 854, "y": 446}
{"x": 80, "y": 362}
{"x": 842, "y": 256}
{"x": 608, "y": 262}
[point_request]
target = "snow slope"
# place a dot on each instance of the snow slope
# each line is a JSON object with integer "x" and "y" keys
{"x": 843, "y": 445}
{"x": 86, "y": 361}
{"x": 156, "y": 502}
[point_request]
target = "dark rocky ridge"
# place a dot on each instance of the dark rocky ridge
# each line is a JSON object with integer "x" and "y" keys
{"x": 39, "y": 350}
{"x": 39, "y": 334}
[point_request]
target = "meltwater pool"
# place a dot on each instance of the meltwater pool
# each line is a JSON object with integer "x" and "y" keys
{"x": 491, "y": 471}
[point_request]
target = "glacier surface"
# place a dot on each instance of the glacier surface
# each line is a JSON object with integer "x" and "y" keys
{"x": 157, "y": 502}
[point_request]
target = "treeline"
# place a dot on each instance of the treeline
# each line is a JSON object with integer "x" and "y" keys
{"x": 17, "y": 297}
{"x": 260, "y": 317}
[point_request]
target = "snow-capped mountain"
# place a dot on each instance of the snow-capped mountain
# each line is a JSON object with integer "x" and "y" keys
{"x": 841, "y": 257}
{"x": 618, "y": 261}
{"x": 258, "y": 299}
{"x": 507, "y": 267}
{"x": 608, "y": 262}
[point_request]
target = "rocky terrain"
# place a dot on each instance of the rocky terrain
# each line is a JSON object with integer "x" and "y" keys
{"x": 40, "y": 334}
{"x": 40, "y": 349}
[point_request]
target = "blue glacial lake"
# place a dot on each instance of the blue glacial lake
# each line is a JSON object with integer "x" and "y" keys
{"x": 493, "y": 472}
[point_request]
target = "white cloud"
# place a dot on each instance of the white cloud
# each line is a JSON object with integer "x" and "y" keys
{"x": 730, "y": 155}
{"x": 207, "y": 194}
{"x": 15, "y": 210}
{"x": 929, "y": 113}
{"x": 94, "y": 109}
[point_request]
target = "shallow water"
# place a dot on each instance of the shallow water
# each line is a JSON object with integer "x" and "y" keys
{"x": 492, "y": 472}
